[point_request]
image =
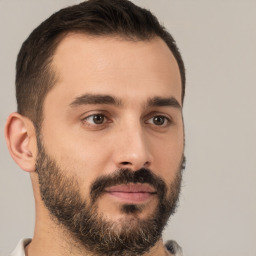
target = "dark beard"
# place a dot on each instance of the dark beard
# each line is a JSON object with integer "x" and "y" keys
{"x": 130, "y": 236}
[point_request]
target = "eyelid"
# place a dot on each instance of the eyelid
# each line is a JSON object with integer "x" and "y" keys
{"x": 168, "y": 119}
{"x": 165, "y": 117}
{"x": 92, "y": 113}
{"x": 158, "y": 113}
{"x": 89, "y": 114}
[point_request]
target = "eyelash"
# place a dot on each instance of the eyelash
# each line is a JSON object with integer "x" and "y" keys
{"x": 167, "y": 121}
{"x": 85, "y": 120}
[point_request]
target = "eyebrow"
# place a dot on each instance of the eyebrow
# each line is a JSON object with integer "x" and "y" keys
{"x": 87, "y": 99}
{"x": 162, "y": 102}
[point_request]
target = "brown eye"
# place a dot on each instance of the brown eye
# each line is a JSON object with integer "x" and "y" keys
{"x": 159, "y": 120}
{"x": 98, "y": 119}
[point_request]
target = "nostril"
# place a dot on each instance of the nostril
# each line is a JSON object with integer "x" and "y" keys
{"x": 126, "y": 163}
{"x": 147, "y": 164}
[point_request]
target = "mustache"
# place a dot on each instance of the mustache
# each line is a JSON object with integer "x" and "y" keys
{"x": 125, "y": 176}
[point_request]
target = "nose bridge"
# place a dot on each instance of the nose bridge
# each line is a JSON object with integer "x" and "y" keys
{"x": 132, "y": 147}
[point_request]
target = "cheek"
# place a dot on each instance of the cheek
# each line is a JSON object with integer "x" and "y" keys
{"x": 79, "y": 156}
{"x": 71, "y": 145}
{"x": 168, "y": 156}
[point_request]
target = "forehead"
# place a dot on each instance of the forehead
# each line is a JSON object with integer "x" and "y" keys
{"x": 89, "y": 64}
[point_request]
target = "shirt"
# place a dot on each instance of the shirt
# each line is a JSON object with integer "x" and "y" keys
{"x": 171, "y": 246}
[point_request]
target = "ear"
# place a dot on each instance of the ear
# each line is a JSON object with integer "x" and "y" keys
{"x": 21, "y": 141}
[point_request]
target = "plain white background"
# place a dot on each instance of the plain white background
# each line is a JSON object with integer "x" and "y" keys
{"x": 217, "y": 213}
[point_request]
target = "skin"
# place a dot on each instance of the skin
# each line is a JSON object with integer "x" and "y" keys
{"x": 132, "y": 73}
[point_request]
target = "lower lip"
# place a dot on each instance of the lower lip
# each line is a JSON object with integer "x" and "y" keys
{"x": 132, "y": 197}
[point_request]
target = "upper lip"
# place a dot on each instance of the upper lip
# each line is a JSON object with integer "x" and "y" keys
{"x": 132, "y": 188}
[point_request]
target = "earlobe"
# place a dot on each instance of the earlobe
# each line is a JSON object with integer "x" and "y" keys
{"x": 21, "y": 141}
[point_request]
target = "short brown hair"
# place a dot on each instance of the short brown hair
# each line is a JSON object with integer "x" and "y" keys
{"x": 34, "y": 76}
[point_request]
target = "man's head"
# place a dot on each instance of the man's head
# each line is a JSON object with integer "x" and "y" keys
{"x": 103, "y": 84}
{"x": 34, "y": 74}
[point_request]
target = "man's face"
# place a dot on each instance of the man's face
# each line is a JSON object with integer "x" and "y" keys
{"x": 112, "y": 134}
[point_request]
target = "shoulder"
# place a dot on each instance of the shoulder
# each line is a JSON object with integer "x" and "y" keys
{"x": 173, "y": 248}
{"x": 20, "y": 248}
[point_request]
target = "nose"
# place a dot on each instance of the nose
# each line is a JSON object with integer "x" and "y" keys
{"x": 132, "y": 149}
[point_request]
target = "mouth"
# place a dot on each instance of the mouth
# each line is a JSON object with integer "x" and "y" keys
{"x": 131, "y": 193}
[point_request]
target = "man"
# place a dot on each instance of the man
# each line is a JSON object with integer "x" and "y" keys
{"x": 99, "y": 127}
